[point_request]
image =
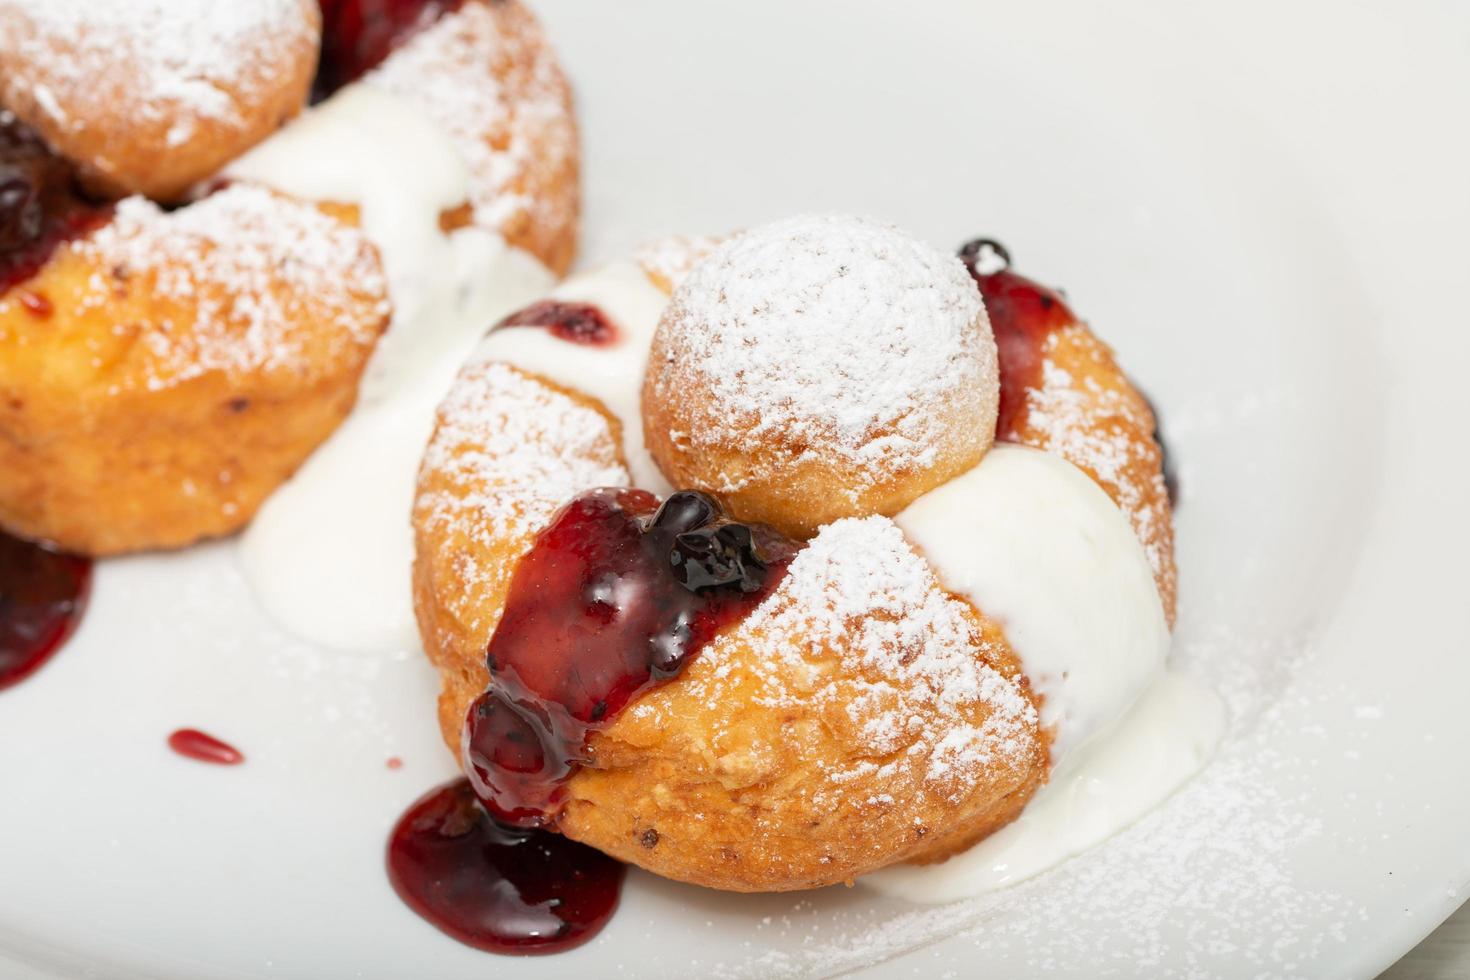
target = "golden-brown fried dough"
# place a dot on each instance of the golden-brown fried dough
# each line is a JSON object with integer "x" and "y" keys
{"x": 159, "y": 377}
{"x": 149, "y": 97}
{"x": 487, "y": 74}
{"x": 860, "y": 715}
{"x": 819, "y": 368}
{"x": 806, "y": 745}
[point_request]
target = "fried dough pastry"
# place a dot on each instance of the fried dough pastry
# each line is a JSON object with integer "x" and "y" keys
{"x": 737, "y": 401}
{"x": 161, "y": 375}
{"x": 486, "y": 73}
{"x": 150, "y": 96}
{"x": 792, "y": 753}
{"x": 861, "y": 714}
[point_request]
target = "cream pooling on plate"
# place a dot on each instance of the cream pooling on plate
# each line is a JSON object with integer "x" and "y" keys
{"x": 329, "y": 553}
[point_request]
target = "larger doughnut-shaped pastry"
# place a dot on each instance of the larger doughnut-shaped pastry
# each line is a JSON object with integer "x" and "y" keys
{"x": 163, "y": 370}
{"x": 919, "y": 553}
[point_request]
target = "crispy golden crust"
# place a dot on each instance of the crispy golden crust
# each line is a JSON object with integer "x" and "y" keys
{"x": 487, "y": 74}
{"x": 155, "y": 400}
{"x": 1088, "y": 412}
{"x": 750, "y": 772}
{"x": 820, "y": 368}
{"x": 813, "y": 489}
{"x": 132, "y": 115}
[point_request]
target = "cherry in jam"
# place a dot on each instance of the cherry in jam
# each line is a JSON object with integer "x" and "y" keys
{"x": 578, "y": 323}
{"x": 615, "y": 596}
{"x": 42, "y": 594}
{"x": 40, "y": 207}
{"x": 357, "y": 35}
{"x": 498, "y": 888}
{"x": 1023, "y": 314}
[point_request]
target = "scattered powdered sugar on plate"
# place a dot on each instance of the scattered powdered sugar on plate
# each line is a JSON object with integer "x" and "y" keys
{"x": 266, "y": 283}
{"x": 176, "y": 61}
{"x": 833, "y": 335}
{"x": 1178, "y": 883}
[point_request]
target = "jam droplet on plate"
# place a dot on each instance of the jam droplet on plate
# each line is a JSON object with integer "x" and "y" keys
{"x": 1023, "y": 314}
{"x": 615, "y": 596}
{"x": 357, "y": 35}
{"x": 201, "y": 747}
{"x": 498, "y": 888}
{"x": 578, "y": 323}
{"x": 40, "y": 208}
{"x": 42, "y": 595}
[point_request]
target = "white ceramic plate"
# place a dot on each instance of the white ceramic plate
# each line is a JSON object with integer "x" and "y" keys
{"x": 1263, "y": 206}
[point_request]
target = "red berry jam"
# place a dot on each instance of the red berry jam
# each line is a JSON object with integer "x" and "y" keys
{"x": 498, "y": 888}
{"x": 357, "y": 35}
{"x": 579, "y": 323}
{"x": 194, "y": 744}
{"x": 1023, "y": 314}
{"x": 617, "y": 595}
{"x": 40, "y": 208}
{"x": 42, "y": 594}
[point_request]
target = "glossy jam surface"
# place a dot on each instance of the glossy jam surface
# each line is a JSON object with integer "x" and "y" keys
{"x": 358, "y": 34}
{"x": 40, "y": 208}
{"x": 1023, "y": 314}
{"x": 42, "y": 595}
{"x": 201, "y": 747}
{"x": 579, "y": 323}
{"x": 616, "y": 595}
{"x": 494, "y": 887}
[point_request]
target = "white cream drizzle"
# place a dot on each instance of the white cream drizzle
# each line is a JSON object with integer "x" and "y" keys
{"x": 1025, "y": 535}
{"x": 329, "y": 554}
{"x": 1037, "y": 546}
{"x": 611, "y": 373}
{"x": 1105, "y": 786}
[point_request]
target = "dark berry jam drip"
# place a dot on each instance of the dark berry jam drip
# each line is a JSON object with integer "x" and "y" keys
{"x": 42, "y": 594}
{"x": 1023, "y": 314}
{"x": 498, "y": 888}
{"x": 578, "y": 323}
{"x": 191, "y": 743}
{"x": 41, "y": 208}
{"x": 615, "y": 596}
{"x": 357, "y": 35}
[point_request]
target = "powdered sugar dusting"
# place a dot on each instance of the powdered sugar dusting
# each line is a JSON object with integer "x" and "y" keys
{"x": 926, "y": 693}
{"x": 266, "y": 283}
{"x": 507, "y": 453}
{"x": 175, "y": 61}
{"x": 494, "y": 86}
{"x": 833, "y": 335}
{"x": 669, "y": 259}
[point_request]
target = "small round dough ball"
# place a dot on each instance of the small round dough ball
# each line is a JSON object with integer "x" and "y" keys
{"x": 150, "y": 96}
{"x": 818, "y": 368}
